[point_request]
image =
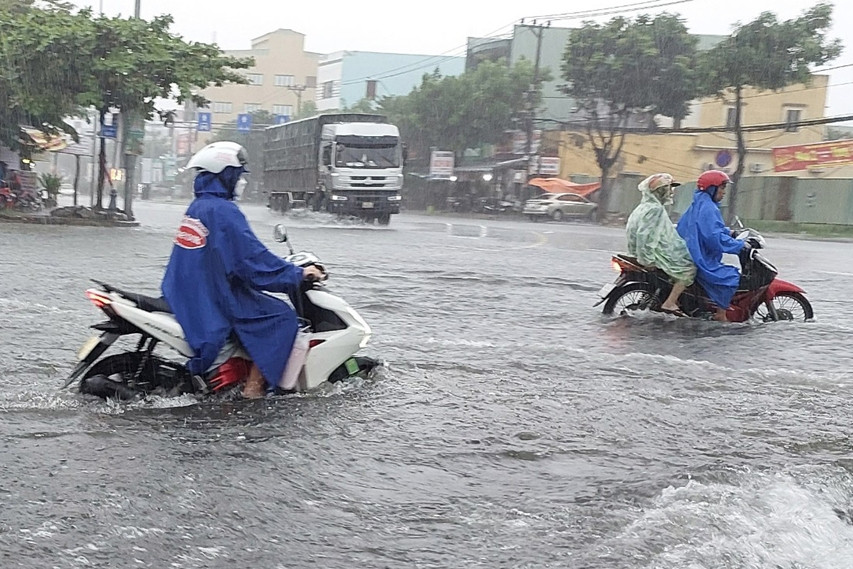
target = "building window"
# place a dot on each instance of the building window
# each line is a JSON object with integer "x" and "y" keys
{"x": 282, "y": 110}
{"x": 311, "y": 81}
{"x": 328, "y": 87}
{"x": 220, "y": 107}
{"x": 252, "y": 107}
{"x": 283, "y": 80}
{"x": 730, "y": 117}
{"x": 792, "y": 119}
{"x": 255, "y": 78}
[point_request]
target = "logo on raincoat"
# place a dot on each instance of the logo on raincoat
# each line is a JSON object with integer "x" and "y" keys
{"x": 192, "y": 234}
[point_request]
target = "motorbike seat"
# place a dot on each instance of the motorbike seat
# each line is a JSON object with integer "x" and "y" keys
{"x": 143, "y": 302}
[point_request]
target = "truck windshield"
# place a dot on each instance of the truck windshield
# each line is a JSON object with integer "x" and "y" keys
{"x": 367, "y": 156}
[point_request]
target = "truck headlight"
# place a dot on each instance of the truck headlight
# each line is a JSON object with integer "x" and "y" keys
{"x": 394, "y": 198}
{"x": 337, "y": 198}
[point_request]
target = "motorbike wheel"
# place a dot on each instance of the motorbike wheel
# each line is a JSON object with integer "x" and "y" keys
{"x": 788, "y": 306}
{"x": 112, "y": 377}
{"x": 631, "y": 297}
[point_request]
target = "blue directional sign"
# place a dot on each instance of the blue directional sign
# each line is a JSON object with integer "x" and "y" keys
{"x": 109, "y": 130}
{"x": 204, "y": 122}
{"x": 281, "y": 119}
{"x": 244, "y": 122}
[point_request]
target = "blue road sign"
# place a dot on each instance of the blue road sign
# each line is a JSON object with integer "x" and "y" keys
{"x": 281, "y": 119}
{"x": 109, "y": 130}
{"x": 204, "y": 122}
{"x": 244, "y": 122}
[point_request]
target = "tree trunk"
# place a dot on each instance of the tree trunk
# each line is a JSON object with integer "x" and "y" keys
{"x": 76, "y": 176}
{"x": 741, "y": 156}
{"x": 102, "y": 164}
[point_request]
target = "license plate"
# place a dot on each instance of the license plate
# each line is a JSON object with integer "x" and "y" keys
{"x": 88, "y": 347}
{"x": 606, "y": 289}
{"x": 367, "y": 205}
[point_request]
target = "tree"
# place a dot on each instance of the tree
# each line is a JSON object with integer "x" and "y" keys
{"x": 46, "y": 56}
{"x": 627, "y": 70}
{"x": 308, "y": 109}
{"x": 461, "y": 112}
{"x": 767, "y": 55}
{"x": 135, "y": 61}
{"x": 364, "y": 105}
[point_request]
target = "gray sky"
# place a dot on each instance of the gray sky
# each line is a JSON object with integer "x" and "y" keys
{"x": 441, "y": 27}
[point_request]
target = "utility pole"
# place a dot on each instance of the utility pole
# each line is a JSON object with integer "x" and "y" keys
{"x": 129, "y": 123}
{"x": 538, "y": 30}
{"x": 298, "y": 89}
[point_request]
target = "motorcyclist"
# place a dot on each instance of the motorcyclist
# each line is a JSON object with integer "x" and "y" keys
{"x": 652, "y": 238}
{"x": 707, "y": 238}
{"x": 217, "y": 272}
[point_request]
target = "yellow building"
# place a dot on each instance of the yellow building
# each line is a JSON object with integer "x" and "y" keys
{"x": 284, "y": 76}
{"x": 686, "y": 155}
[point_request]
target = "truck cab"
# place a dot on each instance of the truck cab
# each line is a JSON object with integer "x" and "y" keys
{"x": 361, "y": 169}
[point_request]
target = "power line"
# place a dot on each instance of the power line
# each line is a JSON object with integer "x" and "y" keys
{"x": 453, "y": 52}
{"x": 608, "y": 11}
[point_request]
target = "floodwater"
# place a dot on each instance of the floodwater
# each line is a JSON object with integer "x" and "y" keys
{"x": 511, "y": 425}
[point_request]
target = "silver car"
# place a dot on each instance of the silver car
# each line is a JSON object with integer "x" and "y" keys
{"x": 560, "y": 206}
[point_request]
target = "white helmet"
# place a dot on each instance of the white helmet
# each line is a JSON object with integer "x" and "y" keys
{"x": 217, "y": 156}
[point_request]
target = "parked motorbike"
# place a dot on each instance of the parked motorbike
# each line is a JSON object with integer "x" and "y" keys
{"x": 760, "y": 294}
{"x": 17, "y": 200}
{"x": 335, "y": 333}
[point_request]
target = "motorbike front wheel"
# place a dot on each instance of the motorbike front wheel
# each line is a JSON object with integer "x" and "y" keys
{"x": 631, "y": 297}
{"x": 787, "y": 305}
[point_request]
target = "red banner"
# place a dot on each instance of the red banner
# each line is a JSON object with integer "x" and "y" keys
{"x": 803, "y": 157}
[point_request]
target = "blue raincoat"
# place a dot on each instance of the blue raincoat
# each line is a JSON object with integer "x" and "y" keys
{"x": 707, "y": 239}
{"x": 214, "y": 279}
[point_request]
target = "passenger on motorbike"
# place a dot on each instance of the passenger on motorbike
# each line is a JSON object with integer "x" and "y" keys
{"x": 652, "y": 238}
{"x": 218, "y": 270}
{"x": 708, "y": 238}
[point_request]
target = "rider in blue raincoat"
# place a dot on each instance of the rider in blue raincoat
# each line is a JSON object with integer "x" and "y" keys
{"x": 218, "y": 270}
{"x": 708, "y": 238}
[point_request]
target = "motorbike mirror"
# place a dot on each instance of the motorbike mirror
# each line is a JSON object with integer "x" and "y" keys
{"x": 739, "y": 223}
{"x": 279, "y": 233}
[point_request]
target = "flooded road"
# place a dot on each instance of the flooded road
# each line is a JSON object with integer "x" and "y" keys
{"x": 512, "y": 425}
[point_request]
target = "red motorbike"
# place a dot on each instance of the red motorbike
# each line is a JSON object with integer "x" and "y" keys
{"x": 760, "y": 294}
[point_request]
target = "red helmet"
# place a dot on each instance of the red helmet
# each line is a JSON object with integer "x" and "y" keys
{"x": 712, "y": 178}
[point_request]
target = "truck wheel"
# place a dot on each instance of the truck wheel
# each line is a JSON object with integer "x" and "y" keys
{"x": 384, "y": 218}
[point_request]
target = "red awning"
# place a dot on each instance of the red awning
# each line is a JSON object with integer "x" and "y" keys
{"x": 559, "y": 186}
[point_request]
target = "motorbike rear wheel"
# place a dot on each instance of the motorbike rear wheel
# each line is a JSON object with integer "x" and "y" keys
{"x": 113, "y": 377}
{"x": 631, "y": 297}
{"x": 788, "y": 305}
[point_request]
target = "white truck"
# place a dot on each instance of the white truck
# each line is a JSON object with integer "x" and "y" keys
{"x": 345, "y": 163}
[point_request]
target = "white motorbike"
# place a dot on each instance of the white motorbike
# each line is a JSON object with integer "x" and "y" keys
{"x": 335, "y": 333}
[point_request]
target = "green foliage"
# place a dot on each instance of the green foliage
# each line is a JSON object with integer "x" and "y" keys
{"x": 51, "y": 184}
{"x": 134, "y": 61}
{"x": 308, "y": 109}
{"x": 644, "y": 65}
{"x": 767, "y": 55}
{"x": 46, "y": 55}
{"x": 466, "y": 111}
{"x": 626, "y": 69}
{"x": 364, "y": 105}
